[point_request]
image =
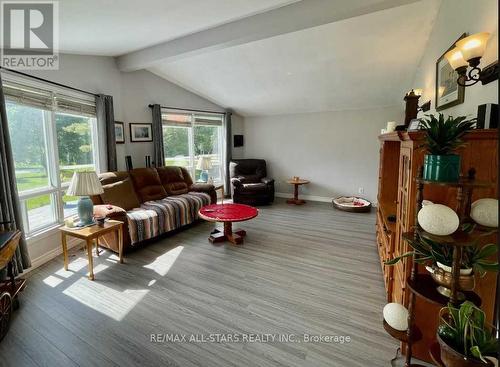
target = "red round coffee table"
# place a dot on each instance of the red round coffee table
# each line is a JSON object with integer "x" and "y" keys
{"x": 227, "y": 214}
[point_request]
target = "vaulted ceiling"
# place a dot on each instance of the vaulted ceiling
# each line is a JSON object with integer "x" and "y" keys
{"x": 263, "y": 57}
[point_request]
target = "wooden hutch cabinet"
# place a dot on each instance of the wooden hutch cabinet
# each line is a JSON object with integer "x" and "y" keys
{"x": 401, "y": 156}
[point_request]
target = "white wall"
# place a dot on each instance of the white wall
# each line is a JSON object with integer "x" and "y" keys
{"x": 237, "y": 127}
{"x": 456, "y": 17}
{"x": 337, "y": 151}
{"x": 132, "y": 93}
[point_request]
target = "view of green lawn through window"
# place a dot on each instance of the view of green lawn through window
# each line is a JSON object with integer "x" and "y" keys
{"x": 46, "y": 167}
{"x": 205, "y": 141}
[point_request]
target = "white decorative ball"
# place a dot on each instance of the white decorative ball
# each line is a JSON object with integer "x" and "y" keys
{"x": 396, "y": 316}
{"x": 438, "y": 219}
{"x": 485, "y": 212}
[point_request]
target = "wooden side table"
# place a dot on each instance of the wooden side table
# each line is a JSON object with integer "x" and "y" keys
{"x": 89, "y": 234}
{"x": 296, "y": 184}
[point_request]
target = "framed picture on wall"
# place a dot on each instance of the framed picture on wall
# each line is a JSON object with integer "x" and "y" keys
{"x": 141, "y": 133}
{"x": 448, "y": 92}
{"x": 119, "y": 132}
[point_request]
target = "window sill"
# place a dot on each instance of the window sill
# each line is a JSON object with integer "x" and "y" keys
{"x": 43, "y": 233}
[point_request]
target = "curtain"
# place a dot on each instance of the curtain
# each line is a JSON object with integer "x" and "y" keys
{"x": 105, "y": 117}
{"x": 158, "y": 152}
{"x": 228, "y": 150}
{"x": 9, "y": 203}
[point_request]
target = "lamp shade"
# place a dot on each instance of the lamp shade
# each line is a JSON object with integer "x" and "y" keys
{"x": 474, "y": 45}
{"x": 204, "y": 163}
{"x": 84, "y": 184}
{"x": 455, "y": 58}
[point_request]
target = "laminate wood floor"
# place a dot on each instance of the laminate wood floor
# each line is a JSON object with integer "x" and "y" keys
{"x": 302, "y": 270}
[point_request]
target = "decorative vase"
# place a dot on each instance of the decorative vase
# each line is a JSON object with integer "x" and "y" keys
{"x": 452, "y": 358}
{"x": 442, "y": 168}
{"x": 442, "y": 275}
{"x": 204, "y": 176}
{"x": 85, "y": 210}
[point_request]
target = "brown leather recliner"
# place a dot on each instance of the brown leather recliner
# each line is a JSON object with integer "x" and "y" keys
{"x": 250, "y": 184}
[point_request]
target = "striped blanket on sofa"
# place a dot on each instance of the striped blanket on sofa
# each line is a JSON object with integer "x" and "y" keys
{"x": 160, "y": 216}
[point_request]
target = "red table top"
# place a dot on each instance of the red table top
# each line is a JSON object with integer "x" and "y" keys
{"x": 228, "y": 212}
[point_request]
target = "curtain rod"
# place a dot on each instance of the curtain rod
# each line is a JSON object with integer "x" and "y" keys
{"x": 48, "y": 81}
{"x": 189, "y": 110}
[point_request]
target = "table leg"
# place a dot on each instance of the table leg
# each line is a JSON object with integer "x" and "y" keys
{"x": 296, "y": 199}
{"x": 91, "y": 260}
{"x": 65, "y": 250}
{"x": 97, "y": 245}
{"x": 232, "y": 237}
{"x": 120, "y": 244}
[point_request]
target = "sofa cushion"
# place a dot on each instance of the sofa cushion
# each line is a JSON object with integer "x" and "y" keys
{"x": 120, "y": 194}
{"x": 160, "y": 216}
{"x": 147, "y": 184}
{"x": 172, "y": 179}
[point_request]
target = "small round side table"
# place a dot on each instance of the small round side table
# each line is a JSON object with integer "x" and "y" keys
{"x": 296, "y": 184}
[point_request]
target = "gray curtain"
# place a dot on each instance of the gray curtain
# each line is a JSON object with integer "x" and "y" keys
{"x": 9, "y": 203}
{"x": 229, "y": 149}
{"x": 106, "y": 117}
{"x": 158, "y": 152}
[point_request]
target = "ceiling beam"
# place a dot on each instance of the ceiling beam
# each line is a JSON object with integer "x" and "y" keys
{"x": 289, "y": 18}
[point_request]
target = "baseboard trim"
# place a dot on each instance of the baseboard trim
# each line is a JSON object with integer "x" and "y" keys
{"x": 55, "y": 252}
{"x": 322, "y": 199}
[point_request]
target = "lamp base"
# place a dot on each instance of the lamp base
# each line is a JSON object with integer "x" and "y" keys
{"x": 85, "y": 210}
{"x": 204, "y": 176}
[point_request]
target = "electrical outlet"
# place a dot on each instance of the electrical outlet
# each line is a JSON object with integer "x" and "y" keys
{"x": 361, "y": 190}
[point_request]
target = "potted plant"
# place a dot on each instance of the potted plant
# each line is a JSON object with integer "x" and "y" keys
{"x": 443, "y": 138}
{"x": 464, "y": 338}
{"x": 438, "y": 260}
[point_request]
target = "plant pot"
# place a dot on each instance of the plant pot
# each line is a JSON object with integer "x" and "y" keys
{"x": 443, "y": 278}
{"x": 442, "y": 168}
{"x": 452, "y": 358}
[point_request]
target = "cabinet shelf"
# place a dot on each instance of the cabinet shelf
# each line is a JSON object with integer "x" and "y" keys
{"x": 402, "y": 336}
{"x": 425, "y": 287}
{"x": 462, "y": 182}
{"x": 458, "y": 238}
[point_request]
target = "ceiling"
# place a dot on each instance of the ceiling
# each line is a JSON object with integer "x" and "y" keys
{"x": 361, "y": 62}
{"x": 116, "y": 27}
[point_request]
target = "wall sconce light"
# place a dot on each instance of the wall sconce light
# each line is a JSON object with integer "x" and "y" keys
{"x": 468, "y": 52}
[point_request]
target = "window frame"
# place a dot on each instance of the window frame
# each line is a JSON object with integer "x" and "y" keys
{"x": 55, "y": 187}
{"x": 190, "y": 126}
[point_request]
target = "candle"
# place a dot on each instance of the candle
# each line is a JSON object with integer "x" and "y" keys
{"x": 391, "y": 126}
{"x": 69, "y": 222}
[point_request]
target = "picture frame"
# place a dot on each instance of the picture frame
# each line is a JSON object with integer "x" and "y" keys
{"x": 414, "y": 125}
{"x": 141, "y": 133}
{"x": 119, "y": 132}
{"x": 448, "y": 93}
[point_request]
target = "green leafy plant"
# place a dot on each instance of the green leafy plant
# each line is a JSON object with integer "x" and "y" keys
{"x": 464, "y": 330}
{"x": 476, "y": 257}
{"x": 426, "y": 250}
{"x": 444, "y": 136}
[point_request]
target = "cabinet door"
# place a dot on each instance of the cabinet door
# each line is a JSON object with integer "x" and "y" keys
{"x": 400, "y": 246}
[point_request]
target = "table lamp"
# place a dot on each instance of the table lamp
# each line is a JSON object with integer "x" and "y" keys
{"x": 84, "y": 184}
{"x": 204, "y": 164}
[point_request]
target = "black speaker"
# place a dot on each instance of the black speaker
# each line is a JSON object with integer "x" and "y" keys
{"x": 487, "y": 116}
{"x": 238, "y": 141}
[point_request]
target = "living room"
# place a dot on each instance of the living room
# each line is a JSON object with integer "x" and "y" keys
{"x": 133, "y": 137}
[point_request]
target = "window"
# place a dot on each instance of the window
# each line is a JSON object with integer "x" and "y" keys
{"x": 53, "y": 134}
{"x": 189, "y": 136}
